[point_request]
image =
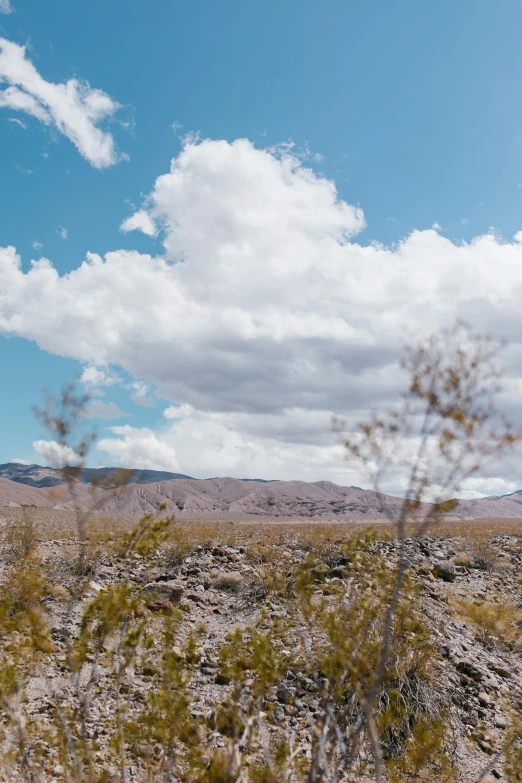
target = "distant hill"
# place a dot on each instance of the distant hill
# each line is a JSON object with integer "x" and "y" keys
{"x": 186, "y": 496}
{"x": 38, "y": 476}
{"x": 218, "y": 496}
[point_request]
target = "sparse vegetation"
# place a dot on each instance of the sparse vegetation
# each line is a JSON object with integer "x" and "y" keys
{"x": 215, "y": 653}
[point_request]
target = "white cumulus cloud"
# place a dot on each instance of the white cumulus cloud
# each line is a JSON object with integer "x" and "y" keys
{"x": 264, "y": 314}
{"x": 98, "y": 376}
{"x": 139, "y": 448}
{"x": 55, "y": 454}
{"x": 73, "y": 107}
{"x": 289, "y": 445}
{"x": 6, "y": 7}
{"x": 139, "y": 221}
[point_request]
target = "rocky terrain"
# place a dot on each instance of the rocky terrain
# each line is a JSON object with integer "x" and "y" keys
{"x": 223, "y": 582}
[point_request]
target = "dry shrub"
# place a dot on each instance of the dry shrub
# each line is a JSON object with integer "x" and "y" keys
{"x": 180, "y": 546}
{"x": 20, "y": 535}
{"x": 496, "y": 623}
{"x": 484, "y": 554}
{"x": 260, "y": 552}
{"x": 24, "y": 588}
{"x": 272, "y": 581}
{"x": 229, "y": 581}
{"x": 463, "y": 559}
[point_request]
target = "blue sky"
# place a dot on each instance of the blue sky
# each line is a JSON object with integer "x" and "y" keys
{"x": 410, "y": 110}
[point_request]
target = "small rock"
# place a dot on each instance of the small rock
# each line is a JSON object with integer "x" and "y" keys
{"x": 160, "y": 605}
{"x": 485, "y": 746}
{"x": 284, "y": 693}
{"x": 95, "y": 587}
{"x": 485, "y": 699}
{"x": 445, "y": 570}
{"x": 171, "y": 590}
{"x": 500, "y": 722}
{"x": 198, "y": 597}
{"x": 467, "y": 667}
{"x": 501, "y": 669}
{"x": 321, "y": 571}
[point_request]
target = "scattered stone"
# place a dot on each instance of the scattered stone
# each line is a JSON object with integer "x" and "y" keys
{"x": 501, "y": 669}
{"x": 445, "y": 570}
{"x": 485, "y": 746}
{"x": 475, "y": 684}
{"x": 172, "y": 590}
{"x": 321, "y": 571}
{"x": 467, "y": 667}
{"x": 284, "y": 693}
{"x": 196, "y": 596}
{"x": 160, "y": 605}
{"x": 485, "y": 699}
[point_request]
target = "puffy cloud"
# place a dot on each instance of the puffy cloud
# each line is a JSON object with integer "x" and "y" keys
{"x": 98, "y": 376}
{"x": 264, "y": 315}
{"x": 139, "y": 221}
{"x": 209, "y": 444}
{"x": 55, "y": 454}
{"x": 139, "y": 448}
{"x": 5, "y": 7}
{"x": 13, "y": 98}
{"x": 489, "y": 485}
{"x": 295, "y": 444}
{"x": 481, "y": 487}
{"x": 73, "y": 107}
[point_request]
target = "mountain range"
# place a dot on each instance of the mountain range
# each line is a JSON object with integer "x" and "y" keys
{"x": 146, "y": 490}
{"x": 38, "y": 476}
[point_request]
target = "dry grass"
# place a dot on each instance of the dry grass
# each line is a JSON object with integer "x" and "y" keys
{"x": 59, "y": 525}
{"x": 20, "y": 536}
{"x": 497, "y": 623}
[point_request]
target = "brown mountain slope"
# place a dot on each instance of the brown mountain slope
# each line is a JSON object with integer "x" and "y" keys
{"x": 14, "y": 494}
{"x": 508, "y": 506}
{"x": 219, "y": 496}
{"x": 284, "y": 498}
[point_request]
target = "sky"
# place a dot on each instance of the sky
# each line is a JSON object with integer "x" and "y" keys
{"x": 228, "y": 219}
